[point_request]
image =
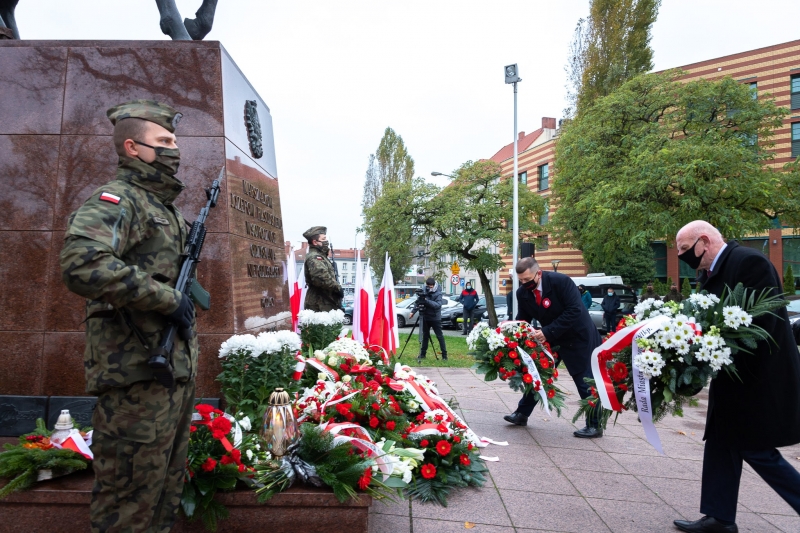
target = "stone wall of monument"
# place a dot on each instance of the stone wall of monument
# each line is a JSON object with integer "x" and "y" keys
{"x": 56, "y": 149}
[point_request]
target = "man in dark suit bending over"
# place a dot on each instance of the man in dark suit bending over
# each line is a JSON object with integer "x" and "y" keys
{"x": 751, "y": 415}
{"x": 554, "y": 300}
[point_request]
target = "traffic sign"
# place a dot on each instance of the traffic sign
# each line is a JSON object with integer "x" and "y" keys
{"x": 455, "y": 269}
{"x": 454, "y": 279}
{"x": 463, "y": 281}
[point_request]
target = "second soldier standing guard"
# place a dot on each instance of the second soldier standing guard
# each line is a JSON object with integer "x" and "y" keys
{"x": 324, "y": 291}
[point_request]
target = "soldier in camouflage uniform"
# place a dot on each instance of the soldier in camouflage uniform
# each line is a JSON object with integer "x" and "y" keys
{"x": 324, "y": 292}
{"x": 122, "y": 252}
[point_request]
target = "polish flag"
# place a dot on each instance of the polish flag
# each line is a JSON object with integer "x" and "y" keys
{"x": 367, "y": 298}
{"x": 296, "y": 292}
{"x": 384, "y": 331}
{"x": 358, "y": 333}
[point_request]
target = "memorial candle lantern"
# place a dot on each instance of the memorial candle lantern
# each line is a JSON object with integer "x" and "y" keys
{"x": 279, "y": 427}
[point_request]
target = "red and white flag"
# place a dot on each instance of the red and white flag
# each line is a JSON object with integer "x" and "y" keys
{"x": 384, "y": 331}
{"x": 296, "y": 289}
{"x": 367, "y": 301}
{"x": 358, "y": 307}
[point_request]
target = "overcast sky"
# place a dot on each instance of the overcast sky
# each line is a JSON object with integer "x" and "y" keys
{"x": 336, "y": 74}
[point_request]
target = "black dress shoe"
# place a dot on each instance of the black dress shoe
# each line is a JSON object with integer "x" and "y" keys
{"x": 517, "y": 419}
{"x": 707, "y": 524}
{"x": 589, "y": 433}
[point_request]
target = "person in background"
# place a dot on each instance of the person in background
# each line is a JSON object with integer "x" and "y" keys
{"x": 432, "y": 318}
{"x": 649, "y": 293}
{"x": 610, "y": 306}
{"x": 586, "y": 298}
{"x": 469, "y": 299}
{"x": 674, "y": 295}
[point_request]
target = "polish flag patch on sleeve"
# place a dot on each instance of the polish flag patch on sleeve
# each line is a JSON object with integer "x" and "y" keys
{"x": 108, "y": 197}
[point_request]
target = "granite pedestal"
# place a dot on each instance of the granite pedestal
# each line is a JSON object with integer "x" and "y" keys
{"x": 56, "y": 149}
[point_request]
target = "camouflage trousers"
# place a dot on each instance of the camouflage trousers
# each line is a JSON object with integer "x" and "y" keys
{"x": 139, "y": 443}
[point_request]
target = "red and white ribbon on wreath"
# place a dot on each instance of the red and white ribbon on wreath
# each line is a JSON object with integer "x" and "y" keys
{"x": 322, "y": 367}
{"x": 534, "y": 372}
{"x": 362, "y": 442}
{"x": 334, "y": 402}
{"x": 299, "y": 367}
{"x": 384, "y": 353}
{"x": 198, "y": 420}
{"x": 641, "y": 384}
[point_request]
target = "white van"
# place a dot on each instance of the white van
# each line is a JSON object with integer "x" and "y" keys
{"x": 593, "y": 280}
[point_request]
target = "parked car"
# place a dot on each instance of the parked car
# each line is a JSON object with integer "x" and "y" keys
{"x": 449, "y": 307}
{"x": 793, "y": 309}
{"x": 450, "y": 314}
{"x": 502, "y": 315}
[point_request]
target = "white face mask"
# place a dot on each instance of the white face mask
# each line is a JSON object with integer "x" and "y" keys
{"x": 611, "y": 294}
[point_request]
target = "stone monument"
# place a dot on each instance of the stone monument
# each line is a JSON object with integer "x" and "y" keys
{"x": 55, "y": 149}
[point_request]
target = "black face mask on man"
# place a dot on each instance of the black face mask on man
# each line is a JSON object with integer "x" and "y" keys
{"x": 690, "y": 258}
{"x": 167, "y": 159}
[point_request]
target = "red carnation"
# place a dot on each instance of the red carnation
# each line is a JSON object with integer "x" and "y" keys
{"x": 344, "y": 368}
{"x": 456, "y": 439}
{"x": 217, "y": 434}
{"x": 469, "y": 446}
{"x": 513, "y": 344}
{"x": 241, "y": 468}
{"x": 237, "y": 455}
{"x": 209, "y": 464}
{"x": 551, "y": 393}
{"x": 424, "y": 443}
{"x": 517, "y": 362}
{"x": 390, "y": 425}
{"x": 464, "y": 459}
{"x": 428, "y": 471}
{"x": 443, "y": 447}
{"x": 204, "y": 408}
{"x": 221, "y": 424}
{"x": 374, "y": 422}
{"x": 375, "y": 406}
{"x": 550, "y": 381}
{"x": 555, "y": 372}
{"x": 441, "y": 428}
{"x": 227, "y": 460}
{"x": 527, "y": 378}
{"x": 192, "y": 429}
{"x": 545, "y": 363}
{"x": 591, "y": 403}
{"x": 343, "y": 408}
{"x": 622, "y": 387}
{"x": 529, "y": 343}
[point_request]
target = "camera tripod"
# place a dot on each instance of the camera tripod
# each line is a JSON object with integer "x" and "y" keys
{"x": 410, "y": 333}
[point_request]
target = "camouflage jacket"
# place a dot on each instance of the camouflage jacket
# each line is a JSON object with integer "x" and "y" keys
{"x": 324, "y": 292}
{"x": 122, "y": 252}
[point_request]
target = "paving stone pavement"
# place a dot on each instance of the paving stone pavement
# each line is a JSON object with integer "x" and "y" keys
{"x": 549, "y": 481}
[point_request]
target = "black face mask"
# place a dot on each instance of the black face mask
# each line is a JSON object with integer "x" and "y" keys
{"x": 324, "y": 247}
{"x": 167, "y": 159}
{"x": 531, "y": 285}
{"x": 690, "y": 258}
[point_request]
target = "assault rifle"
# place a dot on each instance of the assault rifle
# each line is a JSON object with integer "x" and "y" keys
{"x": 333, "y": 261}
{"x": 161, "y": 358}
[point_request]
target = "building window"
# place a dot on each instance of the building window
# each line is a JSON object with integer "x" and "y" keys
{"x": 523, "y": 177}
{"x": 796, "y": 139}
{"x": 796, "y": 91}
{"x": 544, "y": 177}
{"x": 754, "y": 90}
{"x": 344, "y": 266}
{"x": 542, "y": 243}
{"x": 546, "y": 216}
{"x": 353, "y": 280}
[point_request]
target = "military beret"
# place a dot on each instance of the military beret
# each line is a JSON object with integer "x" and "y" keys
{"x": 149, "y": 110}
{"x": 313, "y": 232}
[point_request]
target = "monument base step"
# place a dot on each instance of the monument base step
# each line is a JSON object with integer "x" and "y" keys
{"x": 62, "y": 505}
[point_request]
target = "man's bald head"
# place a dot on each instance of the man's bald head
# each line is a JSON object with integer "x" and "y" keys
{"x": 703, "y": 238}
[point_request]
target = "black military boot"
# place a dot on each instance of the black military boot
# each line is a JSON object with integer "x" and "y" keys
{"x": 518, "y": 419}
{"x": 444, "y": 356}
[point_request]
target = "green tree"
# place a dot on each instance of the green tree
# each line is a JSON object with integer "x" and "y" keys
{"x": 636, "y": 267}
{"x": 467, "y": 218}
{"x": 390, "y": 166}
{"x": 657, "y": 153}
{"x": 788, "y": 280}
{"x": 608, "y": 48}
{"x": 686, "y": 288}
{"x": 391, "y": 163}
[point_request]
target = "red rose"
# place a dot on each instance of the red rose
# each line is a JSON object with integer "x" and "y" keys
{"x": 209, "y": 464}
{"x": 424, "y": 443}
{"x": 551, "y": 393}
{"x": 443, "y": 447}
{"x": 527, "y": 378}
{"x": 428, "y": 471}
{"x": 464, "y": 459}
{"x": 374, "y": 422}
{"x": 390, "y": 425}
{"x": 221, "y": 424}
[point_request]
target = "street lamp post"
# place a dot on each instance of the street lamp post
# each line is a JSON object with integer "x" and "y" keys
{"x": 555, "y": 263}
{"x": 512, "y": 76}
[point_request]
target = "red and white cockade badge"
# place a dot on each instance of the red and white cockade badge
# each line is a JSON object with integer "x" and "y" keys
{"x": 108, "y": 197}
{"x": 546, "y": 303}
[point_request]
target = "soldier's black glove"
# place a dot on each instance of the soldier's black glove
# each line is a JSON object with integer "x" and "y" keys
{"x": 183, "y": 317}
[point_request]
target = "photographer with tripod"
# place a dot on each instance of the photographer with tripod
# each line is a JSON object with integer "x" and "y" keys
{"x": 429, "y": 304}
